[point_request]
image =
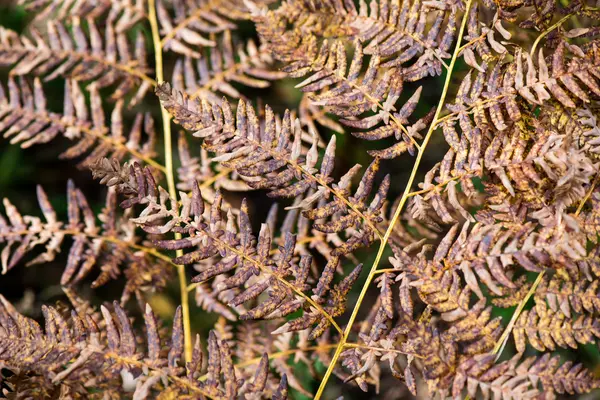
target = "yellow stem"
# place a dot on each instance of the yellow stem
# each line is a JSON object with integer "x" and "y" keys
{"x": 547, "y": 31}
{"x": 503, "y": 339}
{"x": 403, "y": 200}
{"x": 587, "y": 196}
{"x": 166, "y": 119}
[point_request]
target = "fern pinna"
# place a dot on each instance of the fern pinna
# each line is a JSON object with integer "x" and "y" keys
{"x": 252, "y": 154}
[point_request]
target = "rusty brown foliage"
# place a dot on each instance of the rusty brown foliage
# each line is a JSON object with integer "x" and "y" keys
{"x": 378, "y": 289}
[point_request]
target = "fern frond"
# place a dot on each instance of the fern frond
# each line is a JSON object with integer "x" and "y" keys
{"x": 203, "y": 169}
{"x": 256, "y": 271}
{"x": 584, "y": 125}
{"x": 26, "y": 120}
{"x": 81, "y": 56}
{"x": 579, "y": 297}
{"x": 590, "y": 220}
{"x": 210, "y": 298}
{"x": 126, "y": 13}
{"x": 214, "y": 74}
{"x": 185, "y": 29}
{"x": 113, "y": 247}
{"x": 511, "y": 297}
{"x": 253, "y": 338}
{"x": 443, "y": 352}
{"x": 486, "y": 253}
{"x": 308, "y": 113}
{"x": 546, "y": 330}
{"x": 507, "y": 84}
{"x": 269, "y": 156}
{"x": 350, "y": 94}
{"x": 467, "y": 329}
{"x": 511, "y": 379}
{"x": 536, "y": 160}
{"x": 77, "y": 351}
{"x": 411, "y": 32}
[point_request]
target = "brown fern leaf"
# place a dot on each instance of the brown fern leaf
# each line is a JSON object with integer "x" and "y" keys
{"x": 256, "y": 271}
{"x": 487, "y": 253}
{"x": 443, "y": 353}
{"x": 498, "y": 91}
{"x": 580, "y": 297}
{"x": 546, "y": 330}
{"x": 213, "y": 74}
{"x": 410, "y": 32}
{"x": 585, "y": 126}
{"x": 509, "y": 379}
{"x": 113, "y": 247}
{"x": 351, "y": 94}
{"x": 537, "y": 161}
{"x": 268, "y": 155}
{"x": 210, "y": 298}
{"x": 81, "y": 56}
{"x": 186, "y": 26}
{"x": 566, "y": 167}
{"x": 308, "y": 113}
{"x": 203, "y": 169}
{"x": 76, "y": 352}
{"x": 590, "y": 220}
{"x": 250, "y": 340}
{"x": 126, "y": 13}
{"x": 465, "y": 330}
{"x": 26, "y": 120}
{"x": 511, "y": 297}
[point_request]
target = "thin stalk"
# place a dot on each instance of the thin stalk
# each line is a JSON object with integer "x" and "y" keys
{"x": 403, "y": 200}
{"x": 504, "y": 338}
{"x": 166, "y": 119}
{"x": 547, "y": 31}
{"x": 587, "y": 195}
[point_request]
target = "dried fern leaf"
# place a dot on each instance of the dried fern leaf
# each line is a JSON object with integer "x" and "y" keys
{"x": 81, "y": 56}
{"x": 488, "y": 253}
{"x": 579, "y": 297}
{"x": 26, "y": 120}
{"x": 253, "y": 337}
{"x": 269, "y": 156}
{"x": 255, "y": 270}
{"x": 563, "y": 80}
{"x": 418, "y": 32}
{"x": 214, "y": 73}
{"x": 112, "y": 247}
{"x": 511, "y": 379}
{"x": 545, "y": 330}
{"x": 538, "y": 160}
{"x": 78, "y": 351}
{"x": 126, "y": 13}
{"x": 353, "y": 96}
{"x": 190, "y": 25}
